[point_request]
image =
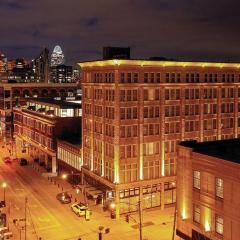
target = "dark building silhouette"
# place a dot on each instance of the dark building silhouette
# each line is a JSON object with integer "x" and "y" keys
{"x": 40, "y": 66}
{"x": 116, "y": 52}
{"x": 21, "y": 71}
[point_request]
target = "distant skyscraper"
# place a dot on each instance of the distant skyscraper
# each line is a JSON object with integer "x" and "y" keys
{"x": 57, "y": 57}
{"x": 3, "y": 64}
{"x": 116, "y": 53}
{"x": 61, "y": 74}
{"x": 40, "y": 66}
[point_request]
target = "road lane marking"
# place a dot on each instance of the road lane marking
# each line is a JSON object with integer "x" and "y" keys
{"x": 43, "y": 219}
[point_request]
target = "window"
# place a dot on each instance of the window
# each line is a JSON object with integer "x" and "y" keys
{"x": 219, "y": 187}
{"x": 129, "y": 77}
{"x": 196, "y": 179}
{"x": 150, "y": 148}
{"x": 219, "y": 224}
{"x": 196, "y": 214}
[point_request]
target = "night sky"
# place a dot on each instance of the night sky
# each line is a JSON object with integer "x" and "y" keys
{"x": 179, "y": 29}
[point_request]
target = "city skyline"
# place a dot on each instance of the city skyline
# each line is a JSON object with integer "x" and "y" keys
{"x": 119, "y": 120}
{"x": 181, "y": 30}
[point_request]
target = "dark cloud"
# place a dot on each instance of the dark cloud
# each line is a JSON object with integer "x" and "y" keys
{"x": 12, "y": 5}
{"x": 182, "y": 29}
{"x": 92, "y": 22}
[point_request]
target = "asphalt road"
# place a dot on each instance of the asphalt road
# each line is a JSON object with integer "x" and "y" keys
{"x": 46, "y": 216}
{"x": 48, "y": 219}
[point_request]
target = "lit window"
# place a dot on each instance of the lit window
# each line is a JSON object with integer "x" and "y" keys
{"x": 196, "y": 214}
{"x": 196, "y": 179}
{"x": 219, "y": 224}
{"x": 219, "y": 187}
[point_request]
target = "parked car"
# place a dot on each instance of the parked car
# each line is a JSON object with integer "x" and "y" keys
{"x": 7, "y": 160}
{"x": 79, "y": 209}
{"x": 23, "y": 162}
{"x": 63, "y": 197}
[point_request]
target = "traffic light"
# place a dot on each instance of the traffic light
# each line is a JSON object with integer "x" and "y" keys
{"x": 127, "y": 218}
{"x": 113, "y": 214}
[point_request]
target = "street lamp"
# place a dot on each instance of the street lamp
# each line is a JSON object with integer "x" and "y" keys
{"x": 113, "y": 205}
{"x": 4, "y": 185}
{"x": 64, "y": 176}
{"x": 71, "y": 175}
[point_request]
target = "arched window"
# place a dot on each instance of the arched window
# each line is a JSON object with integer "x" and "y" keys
{"x": 44, "y": 93}
{"x": 16, "y": 93}
{"x": 35, "y": 93}
{"x": 26, "y": 93}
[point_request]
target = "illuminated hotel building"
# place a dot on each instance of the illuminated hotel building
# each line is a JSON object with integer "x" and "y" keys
{"x": 208, "y": 190}
{"x": 136, "y": 111}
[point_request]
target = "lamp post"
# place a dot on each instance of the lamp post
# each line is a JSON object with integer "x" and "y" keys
{"x": 4, "y": 185}
{"x": 64, "y": 176}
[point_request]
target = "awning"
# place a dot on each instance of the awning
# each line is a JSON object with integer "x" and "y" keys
{"x": 93, "y": 192}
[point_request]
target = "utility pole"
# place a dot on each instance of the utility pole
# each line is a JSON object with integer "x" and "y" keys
{"x": 140, "y": 219}
{"x": 100, "y": 228}
{"x": 25, "y": 217}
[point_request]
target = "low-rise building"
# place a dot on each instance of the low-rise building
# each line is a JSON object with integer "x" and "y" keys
{"x": 38, "y": 125}
{"x": 208, "y": 190}
{"x": 15, "y": 94}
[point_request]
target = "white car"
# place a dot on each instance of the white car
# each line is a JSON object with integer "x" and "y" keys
{"x": 79, "y": 209}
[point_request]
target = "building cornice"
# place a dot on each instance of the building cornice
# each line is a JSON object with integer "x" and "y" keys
{"x": 37, "y": 85}
{"x": 150, "y": 63}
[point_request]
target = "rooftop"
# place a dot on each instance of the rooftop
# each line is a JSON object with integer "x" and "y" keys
{"x": 228, "y": 149}
{"x": 157, "y": 63}
{"x": 75, "y": 141}
{"x": 38, "y": 84}
{"x": 59, "y": 103}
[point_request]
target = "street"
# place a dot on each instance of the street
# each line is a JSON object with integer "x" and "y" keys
{"x": 48, "y": 219}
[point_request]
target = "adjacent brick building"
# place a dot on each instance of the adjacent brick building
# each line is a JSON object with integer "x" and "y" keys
{"x": 208, "y": 190}
{"x": 16, "y": 94}
{"x": 38, "y": 125}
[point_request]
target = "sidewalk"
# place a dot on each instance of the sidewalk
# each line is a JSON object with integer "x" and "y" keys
{"x": 155, "y": 222}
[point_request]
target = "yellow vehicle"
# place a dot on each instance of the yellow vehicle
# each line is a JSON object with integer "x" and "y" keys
{"x": 79, "y": 209}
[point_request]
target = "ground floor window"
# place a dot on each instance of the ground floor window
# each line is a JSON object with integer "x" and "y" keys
{"x": 151, "y": 196}
{"x": 129, "y": 200}
{"x": 169, "y": 193}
